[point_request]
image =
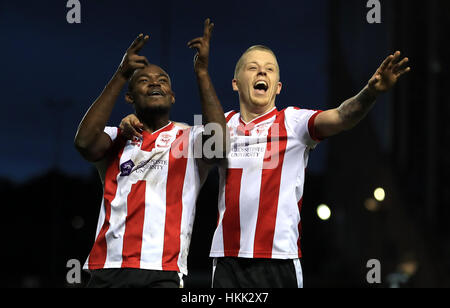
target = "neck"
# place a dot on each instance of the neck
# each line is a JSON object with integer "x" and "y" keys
{"x": 154, "y": 122}
{"x": 249, "y": 113}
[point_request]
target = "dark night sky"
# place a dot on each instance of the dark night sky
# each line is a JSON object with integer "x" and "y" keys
{"x": 52, "y": 71}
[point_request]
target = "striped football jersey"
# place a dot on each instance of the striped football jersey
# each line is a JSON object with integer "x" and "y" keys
{"x": 261, "y": 185}
{"x": 150, "y": 190}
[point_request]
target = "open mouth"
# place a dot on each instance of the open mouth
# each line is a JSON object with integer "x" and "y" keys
{"x": 260, "y": 87}
{"x": 156, "y": 93}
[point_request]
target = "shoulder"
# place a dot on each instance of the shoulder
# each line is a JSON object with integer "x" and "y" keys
{"x": 297, "y": 114}
{"x": 181, "y": 125}
{"x": 230, "y": 114}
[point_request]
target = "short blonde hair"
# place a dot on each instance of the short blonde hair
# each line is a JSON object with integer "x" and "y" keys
{"x": 254, "y": 47}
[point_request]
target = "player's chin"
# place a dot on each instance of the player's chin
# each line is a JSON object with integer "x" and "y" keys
{"x": 260, "y": 101}
{"x": 156, "y": 105}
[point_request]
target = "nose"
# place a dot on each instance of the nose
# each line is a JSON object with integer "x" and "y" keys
{"x": 154, "y": 83}
{"x": 262, "y": 71}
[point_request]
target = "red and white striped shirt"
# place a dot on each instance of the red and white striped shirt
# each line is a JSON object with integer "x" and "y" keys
{"x": 148, "y": 207}
{"x": 261, "y": 186}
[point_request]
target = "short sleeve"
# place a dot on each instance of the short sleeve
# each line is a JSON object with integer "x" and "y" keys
{"x": 102, "y": 164}
{"x": 301, "y": 123}
{"x": 112, "y": 132}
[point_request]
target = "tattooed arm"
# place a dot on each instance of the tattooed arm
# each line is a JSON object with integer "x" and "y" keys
{"x": 353, "y": 110}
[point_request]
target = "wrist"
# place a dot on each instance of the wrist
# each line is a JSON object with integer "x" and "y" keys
{"x": 371, "y": 92}
{"x": 201, "y": 73}
{"x": 120, "y": 76}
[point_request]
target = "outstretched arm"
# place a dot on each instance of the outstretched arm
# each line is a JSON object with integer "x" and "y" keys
{"x": 90, "y": 139}
{"x": 353, "y": 110}
{"x": 211, "y": 107}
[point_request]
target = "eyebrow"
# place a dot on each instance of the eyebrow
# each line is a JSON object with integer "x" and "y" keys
{"x": 148, "y": 75}
{"x": 254, "y": 62}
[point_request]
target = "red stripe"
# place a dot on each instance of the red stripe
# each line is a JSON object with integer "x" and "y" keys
{"x": 97, "y": 256}
{"x": 270, "y": 189}
{"x": 230, "y": 115}
{"x": 174, "y": 200}
{"x": 300, "y": 203}
{"x": 260, "y": 119}
{"x": 148, "y": 143}
{"x": 311, "y": 127}
{"x": 134, "y": 225}
{"x": 231, "y": 226}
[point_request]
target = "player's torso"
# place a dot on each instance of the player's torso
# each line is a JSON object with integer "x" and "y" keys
{"x": 261, "y": 185}
{"x": 150, "y": 190}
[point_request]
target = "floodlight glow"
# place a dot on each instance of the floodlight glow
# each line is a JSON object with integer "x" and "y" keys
{"x": 324, "y": 212}
{"x": 379, "y": 194}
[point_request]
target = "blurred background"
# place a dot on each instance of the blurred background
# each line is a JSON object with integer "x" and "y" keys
{"x": 382, "y": 188}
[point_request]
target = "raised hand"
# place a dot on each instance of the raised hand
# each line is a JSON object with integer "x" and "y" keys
{"x": 131, "y": 127}
{"x": 201, "y": 44}
{"x": 388, "y": 73}
{"x": 132, "y": 60}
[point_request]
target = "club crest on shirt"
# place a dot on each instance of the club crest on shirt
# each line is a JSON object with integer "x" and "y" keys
{"x": 164, "y": 140}
{"x": 126, "y": 168}
{"x": 262, "y": 130}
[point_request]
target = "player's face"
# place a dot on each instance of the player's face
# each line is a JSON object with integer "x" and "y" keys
{"x": 258, "y": 80}
{"x": 151, "y": 89}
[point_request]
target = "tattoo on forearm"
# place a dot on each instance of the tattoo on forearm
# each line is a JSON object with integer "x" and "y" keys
{"x": 355, "y": 109}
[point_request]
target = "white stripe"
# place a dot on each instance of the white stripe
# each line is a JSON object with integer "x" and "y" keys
{"x": 116, "y": 231}
{"x": 286, "y": 227}
{"x": 181, "y": 285}
{"x": 154, "y": 222}
{"x": 217, "y": 243}
{"x": 298, "y": 272}
{"x": 213, "y": 271}
{"x": 248, "y": 209}
{"x": 189, "y": 196}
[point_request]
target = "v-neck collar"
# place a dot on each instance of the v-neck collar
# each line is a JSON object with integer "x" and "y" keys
{"x": 165, "y": 128}
{"x": 260, "y": 118}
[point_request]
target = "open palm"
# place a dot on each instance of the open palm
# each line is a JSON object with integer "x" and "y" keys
{"x": 388, "y": 73}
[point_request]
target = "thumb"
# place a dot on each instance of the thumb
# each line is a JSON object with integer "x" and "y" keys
{"x": 374, "y": 80}
{"x": 137, "y": 124}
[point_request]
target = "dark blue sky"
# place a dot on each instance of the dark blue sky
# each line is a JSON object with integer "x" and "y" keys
{"x": 52, "y": 71}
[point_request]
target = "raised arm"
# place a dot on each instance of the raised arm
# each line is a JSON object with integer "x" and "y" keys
{"x": 211, "y": 107}
{"x": 353, "y": 110}
{"x": 90, "y": 139}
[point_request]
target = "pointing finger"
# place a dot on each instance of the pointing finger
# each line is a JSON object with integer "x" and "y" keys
{"x": 141, "y": 44}
{"x": 208, "y": 27}
{"x": 136, "y": 40}
{"x": 138, "y": 43}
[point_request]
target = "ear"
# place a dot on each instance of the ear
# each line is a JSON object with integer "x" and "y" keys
{"x": 234, "y": 85}
{"x": 173, "y": 98}
{"x": 129, "y": 98}
{"x": 279, "y": 86}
